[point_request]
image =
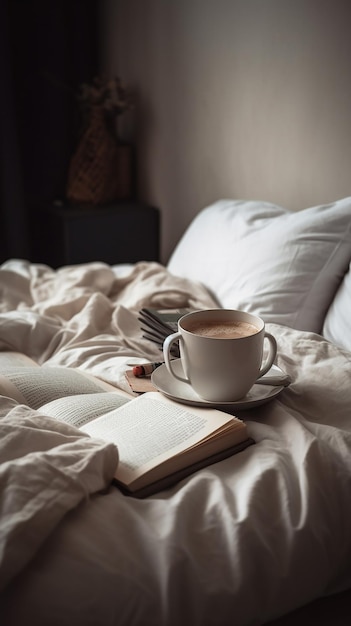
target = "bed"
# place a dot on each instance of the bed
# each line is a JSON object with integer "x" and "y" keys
{"x": 248, "y": 540}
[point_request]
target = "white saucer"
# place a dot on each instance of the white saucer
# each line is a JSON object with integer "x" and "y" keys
{"x": 184, "y": 393}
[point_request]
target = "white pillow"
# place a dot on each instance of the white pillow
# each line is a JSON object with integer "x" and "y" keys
{"x": 337, "y": 324}
{"x": 283, "y": 265}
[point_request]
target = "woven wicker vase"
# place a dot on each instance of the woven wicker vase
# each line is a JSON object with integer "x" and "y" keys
{"x": 100, "y": 169}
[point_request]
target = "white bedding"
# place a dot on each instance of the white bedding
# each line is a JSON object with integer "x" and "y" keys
{"x": 240, "y": 542}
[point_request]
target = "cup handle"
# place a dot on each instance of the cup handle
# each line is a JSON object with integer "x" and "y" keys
{"x": 266, "y": 366}
{"x": 167, "y": 345}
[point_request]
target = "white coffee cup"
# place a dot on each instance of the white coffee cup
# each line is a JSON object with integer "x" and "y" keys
{"x": 221, "y": 352}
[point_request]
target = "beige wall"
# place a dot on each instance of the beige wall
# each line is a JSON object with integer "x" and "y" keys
{"x": 236, "y": 99}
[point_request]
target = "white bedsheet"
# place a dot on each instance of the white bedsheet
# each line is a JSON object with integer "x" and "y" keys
{"x": 240, "y": 542}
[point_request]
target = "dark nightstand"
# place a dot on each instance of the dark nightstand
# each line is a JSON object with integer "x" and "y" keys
{"x": 123, "y": 232}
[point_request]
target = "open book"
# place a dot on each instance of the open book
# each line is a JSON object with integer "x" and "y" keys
{"x": 159, "y": 441}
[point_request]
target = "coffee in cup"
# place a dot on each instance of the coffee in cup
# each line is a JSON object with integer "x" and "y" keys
{"x": 221, "y": 352}
{"x": 223, "y": 330}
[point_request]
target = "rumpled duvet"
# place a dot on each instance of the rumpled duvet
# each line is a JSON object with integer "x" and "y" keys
{"x": 239, "y": 542}
{"x": 47, "y": 468}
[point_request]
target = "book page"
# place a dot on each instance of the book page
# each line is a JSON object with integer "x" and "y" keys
{"x": 15, "y": 359}
{"x": 8, "y": 389}
{"x": 152, "y": 428}
{"x": 80, "y": 409}
{"x": 36, "y": 386}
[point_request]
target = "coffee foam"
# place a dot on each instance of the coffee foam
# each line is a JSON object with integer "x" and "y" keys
{"x": 224, "y": 330}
